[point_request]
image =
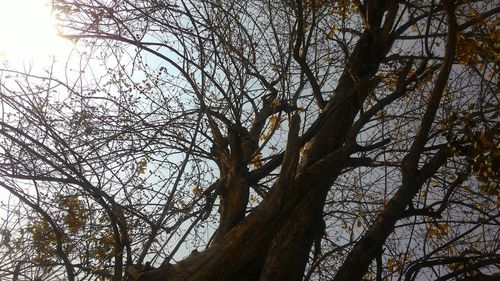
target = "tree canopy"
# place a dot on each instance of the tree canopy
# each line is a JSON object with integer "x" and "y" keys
{"x": 256, "y": 140}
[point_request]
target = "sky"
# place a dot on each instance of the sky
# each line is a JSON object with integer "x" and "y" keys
{"x": 28, "y": 38}
{"x": 28, "y": 32}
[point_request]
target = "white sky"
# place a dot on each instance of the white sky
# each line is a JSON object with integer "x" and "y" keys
{"x": 28, "y": 38}
{"x": 27, "y": 31}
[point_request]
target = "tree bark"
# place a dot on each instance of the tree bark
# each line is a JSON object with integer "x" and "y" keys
{"x": 370, "y": 245}
{"x": 288, "y": 219}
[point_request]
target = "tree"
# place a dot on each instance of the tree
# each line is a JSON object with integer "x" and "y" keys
{"x": 274, "y": 140}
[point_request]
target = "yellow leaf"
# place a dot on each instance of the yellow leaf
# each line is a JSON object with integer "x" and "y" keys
{"x": 331, "y": 32}
{"x": 257, "y": 160}
{"x": 141, "y": 166}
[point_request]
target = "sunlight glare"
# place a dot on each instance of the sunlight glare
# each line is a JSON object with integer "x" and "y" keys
{"x": 27, "y": 31}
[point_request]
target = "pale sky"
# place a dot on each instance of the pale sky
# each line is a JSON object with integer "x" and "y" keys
{"x": 28, "y": 37}
{"x": 27, "y": 31}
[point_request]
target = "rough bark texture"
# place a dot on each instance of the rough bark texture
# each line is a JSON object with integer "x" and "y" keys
{"x": 273, "y": 242}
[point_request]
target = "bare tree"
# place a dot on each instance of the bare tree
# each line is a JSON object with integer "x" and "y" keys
{"x": 257, "y": 140}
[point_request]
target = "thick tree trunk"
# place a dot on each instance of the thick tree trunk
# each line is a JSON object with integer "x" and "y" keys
{"x": 273, "y": 242}
{"x": 290, "y": 246}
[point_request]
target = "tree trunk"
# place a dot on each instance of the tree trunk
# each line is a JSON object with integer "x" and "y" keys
{"x": 274, "y": 240}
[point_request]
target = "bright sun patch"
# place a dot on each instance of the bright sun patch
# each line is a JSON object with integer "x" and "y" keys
{"x": 27, "y": 31}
